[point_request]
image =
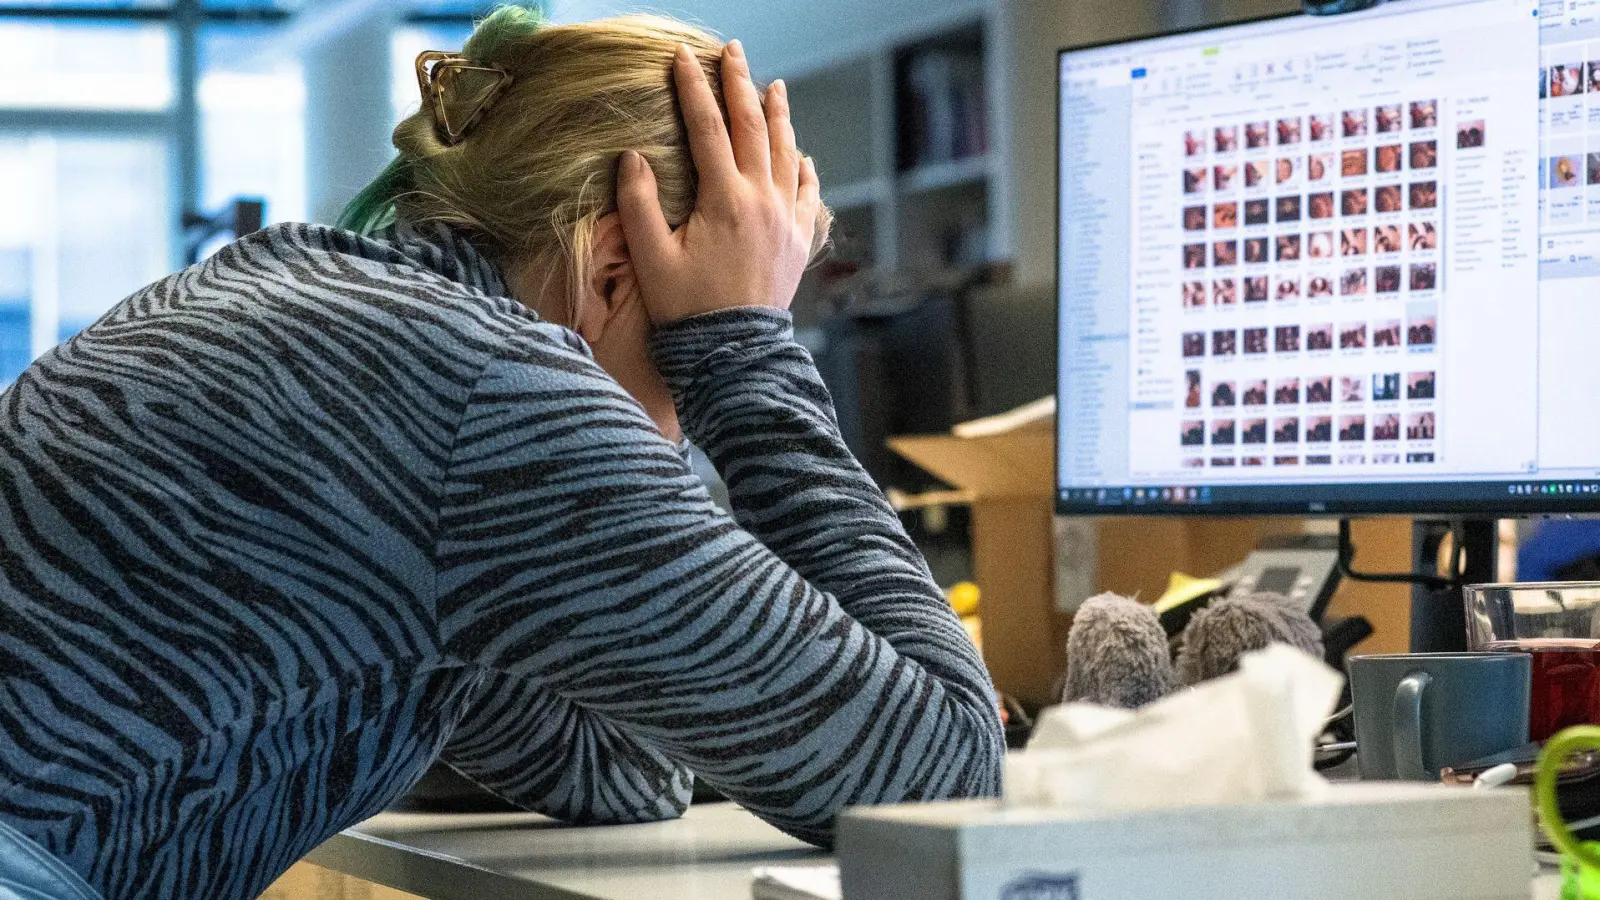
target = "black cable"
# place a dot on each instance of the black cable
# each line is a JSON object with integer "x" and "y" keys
{"x": 1347, "y": 558}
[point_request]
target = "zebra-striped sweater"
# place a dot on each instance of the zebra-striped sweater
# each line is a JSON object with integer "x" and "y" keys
{"x": 283, "y": 528}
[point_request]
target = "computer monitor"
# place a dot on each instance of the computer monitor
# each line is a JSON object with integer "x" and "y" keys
{"x": 1336, "y": 265}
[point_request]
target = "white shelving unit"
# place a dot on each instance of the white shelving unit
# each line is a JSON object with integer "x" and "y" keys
{"x": 894, "y": 214}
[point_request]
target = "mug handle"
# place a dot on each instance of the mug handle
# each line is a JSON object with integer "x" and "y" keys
{"x": 1408, "y": 726}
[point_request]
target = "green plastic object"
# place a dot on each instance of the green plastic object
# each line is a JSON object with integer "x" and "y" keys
{"x": 1580, "y": 860}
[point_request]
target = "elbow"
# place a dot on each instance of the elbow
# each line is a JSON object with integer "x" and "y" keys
{"x": 668, "y": 804}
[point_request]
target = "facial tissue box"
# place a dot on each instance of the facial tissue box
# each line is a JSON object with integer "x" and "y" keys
{"x": 1371, "y": 841}
{"x": 1207, "y": 794}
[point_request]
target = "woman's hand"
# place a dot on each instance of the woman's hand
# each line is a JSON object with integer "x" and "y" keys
{"x": 748, "y": 240}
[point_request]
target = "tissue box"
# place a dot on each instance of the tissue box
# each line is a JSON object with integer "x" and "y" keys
{"x": 1371, "y": 841}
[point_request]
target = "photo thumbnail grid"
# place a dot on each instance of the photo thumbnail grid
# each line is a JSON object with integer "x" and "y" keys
{"x": 1569, "y": 167}
{"x": 1310, "y": 287}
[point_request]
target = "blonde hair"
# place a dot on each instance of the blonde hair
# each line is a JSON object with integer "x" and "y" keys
{"x": 533, "y": 176}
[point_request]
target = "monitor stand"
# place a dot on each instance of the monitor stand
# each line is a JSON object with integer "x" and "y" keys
{"x": 1439, "y": 617}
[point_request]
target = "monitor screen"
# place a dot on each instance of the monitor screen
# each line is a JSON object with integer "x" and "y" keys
{"x": 1333, "y": 264}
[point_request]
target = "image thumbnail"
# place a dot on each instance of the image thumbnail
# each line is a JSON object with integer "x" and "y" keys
{"x": 1422, "y": 331}
{"x": 1255, "y": 341}
{"x": 1353, "y": 163}
{"x": 1320, "y": 205}
{"x": 1352, "y": 428}
{"x": 1224, "y": 394}
{"x": 1319, "y": 389}
{"x": 1424, "y": 276}
{"x": 1353, "y": 283}
{"x": 1470, "y": 135}
{"x": 1386, "y": 239}
{"x": 1424, "y": 113}
{"x": 1388, "y": 158}
{"x": 1286, "y": 339}
{"x": 1386, "y": 427}
{"x": 1424, "y": 154}
{"x": 1287, "y": 392}
{"x": 1355, "y": 122}
{"x": 1226, "y": 138}
{"x": 1255, "y": 393}
{"x": 1385, "y": 280}
{"x": 1388, "y": 118}
{"x": 1353, "y": 336}
{"x": 1564, "y": 171}
{"x": 1566, "y": 80}
{"x": 1286, "y": 430}
{"x": 1419, "y": 386}
{"x": 1319, "y": 337}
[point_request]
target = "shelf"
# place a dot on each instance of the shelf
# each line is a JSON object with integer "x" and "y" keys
{"x": 934, "y": 176}
{"x": 854, "y": 195}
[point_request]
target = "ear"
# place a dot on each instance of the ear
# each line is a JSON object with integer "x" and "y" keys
{"x": 611, "y": 286}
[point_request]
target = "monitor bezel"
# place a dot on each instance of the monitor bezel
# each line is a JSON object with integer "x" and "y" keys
{"x": 1512, "y": 506}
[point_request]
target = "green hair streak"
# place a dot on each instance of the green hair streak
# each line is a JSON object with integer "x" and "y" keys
{"x": 373, "y": 207}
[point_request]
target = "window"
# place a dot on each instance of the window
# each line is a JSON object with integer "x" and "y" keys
{"x": 252, "y": 121}
{"x": 88, "y": 159}
{"x": 107, "y": 66}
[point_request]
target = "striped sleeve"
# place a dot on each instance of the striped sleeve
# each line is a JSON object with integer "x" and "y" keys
{"x": 800, "y": 660}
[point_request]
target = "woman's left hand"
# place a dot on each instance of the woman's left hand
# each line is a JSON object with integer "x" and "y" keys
{"x": 749, "y": 238}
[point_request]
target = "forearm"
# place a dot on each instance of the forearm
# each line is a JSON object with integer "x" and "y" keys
{"x": 751, "y": 398}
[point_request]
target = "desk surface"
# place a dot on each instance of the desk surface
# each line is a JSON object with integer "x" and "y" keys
{"x": 706, "y": 855}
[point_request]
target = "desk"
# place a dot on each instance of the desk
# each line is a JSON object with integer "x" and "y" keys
{"x": 706, "y": 855}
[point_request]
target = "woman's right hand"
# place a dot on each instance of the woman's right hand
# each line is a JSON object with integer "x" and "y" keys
{"x": 749, "y": 238}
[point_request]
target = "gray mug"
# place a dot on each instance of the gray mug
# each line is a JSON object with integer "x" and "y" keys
{"x": 1417, "y": 713}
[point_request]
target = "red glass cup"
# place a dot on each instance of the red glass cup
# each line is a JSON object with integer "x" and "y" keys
{"x": 1558, "y": 623}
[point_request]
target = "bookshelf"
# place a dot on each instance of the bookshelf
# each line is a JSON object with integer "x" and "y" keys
{"x": 902, "y": 135}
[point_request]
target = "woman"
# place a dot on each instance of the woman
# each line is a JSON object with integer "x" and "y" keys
{"x": 281, "y": 529}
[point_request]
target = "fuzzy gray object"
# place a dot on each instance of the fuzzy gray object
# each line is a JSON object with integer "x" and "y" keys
{"x": 1117, "y": 655}
{"x": 1229, "y": 628}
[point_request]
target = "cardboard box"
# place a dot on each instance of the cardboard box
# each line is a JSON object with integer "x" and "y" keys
{"x": 1011, "y": 477}
{"x": 1371, "y": 841}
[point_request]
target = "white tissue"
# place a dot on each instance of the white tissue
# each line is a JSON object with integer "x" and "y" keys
{"x": 1241, "y": 738}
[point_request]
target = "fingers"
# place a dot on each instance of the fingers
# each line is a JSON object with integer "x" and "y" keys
{"x": 644, "y": 226}
{"x": 746, "y": 122}
{"x": 780, "y": 129}
{"x": 808, "y": 201}
{"x": 708, "y": 140}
